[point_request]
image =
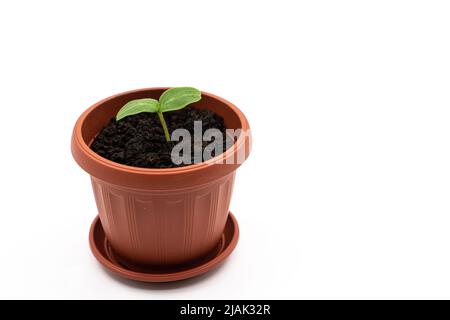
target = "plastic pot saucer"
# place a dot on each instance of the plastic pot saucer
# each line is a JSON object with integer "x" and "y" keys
{"x": 104, "y": 253}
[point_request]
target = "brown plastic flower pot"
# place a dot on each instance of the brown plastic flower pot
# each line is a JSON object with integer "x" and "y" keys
{"x": 160, "y": 217}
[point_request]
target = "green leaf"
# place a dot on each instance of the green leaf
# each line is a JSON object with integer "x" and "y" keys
{"x": 178, "y": 98}
{"x": 138, "y": 106}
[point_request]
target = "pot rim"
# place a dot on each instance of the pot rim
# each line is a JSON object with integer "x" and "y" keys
{"x": 220, "y": 159}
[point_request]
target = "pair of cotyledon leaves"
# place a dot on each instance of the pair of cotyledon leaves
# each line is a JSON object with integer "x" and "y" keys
{"x": 171, "y": 100}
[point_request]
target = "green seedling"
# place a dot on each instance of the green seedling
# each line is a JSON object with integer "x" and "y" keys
{"x": 171, "y": 100}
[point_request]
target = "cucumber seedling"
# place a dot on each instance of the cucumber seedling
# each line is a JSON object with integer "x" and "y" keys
{"x": 171, "y": 100}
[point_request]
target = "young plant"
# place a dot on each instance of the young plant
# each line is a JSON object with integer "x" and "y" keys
{"x": 171, "y": 100}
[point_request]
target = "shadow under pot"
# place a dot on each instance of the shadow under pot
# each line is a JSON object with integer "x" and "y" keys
{"x": 166, "y": 218}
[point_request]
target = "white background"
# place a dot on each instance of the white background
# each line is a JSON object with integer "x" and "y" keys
{"x": 346, "y": 193}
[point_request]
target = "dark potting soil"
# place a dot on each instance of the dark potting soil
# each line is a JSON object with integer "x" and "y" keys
{"x": 139, "y": 140}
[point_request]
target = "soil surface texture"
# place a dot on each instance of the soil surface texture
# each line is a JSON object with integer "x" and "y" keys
{"x": 139, "y": 140}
